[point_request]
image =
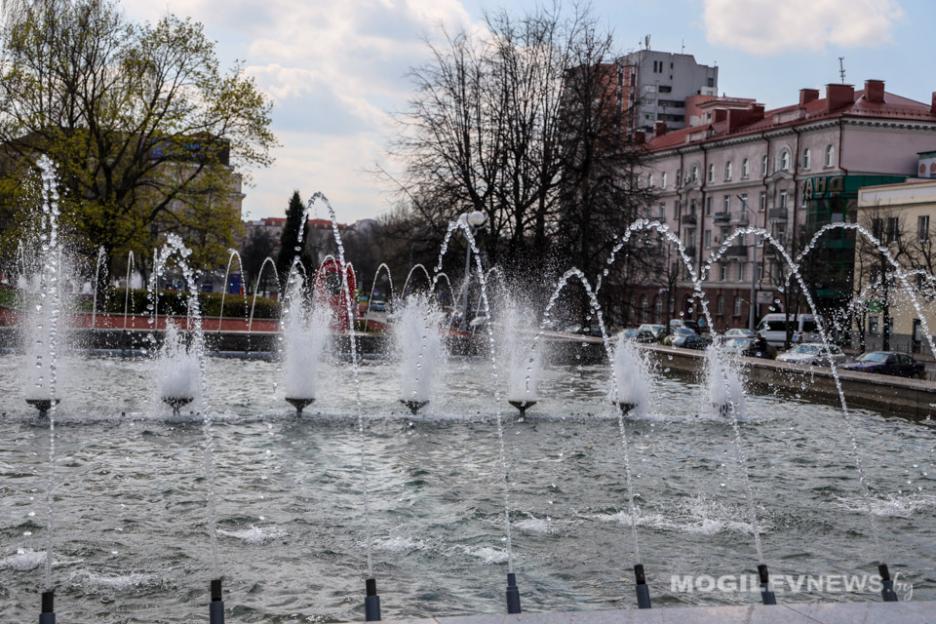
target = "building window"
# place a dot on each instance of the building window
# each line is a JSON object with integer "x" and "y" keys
{"x": 877, "y": 228}
{"x": 711, "y": 173}
{"x": 695, "y": 173}
{"x": 829, "y": 155}
{"x": 726, "y": 203}
{"x": 676, "y": 209}
{"x": 743, "y": 199}
{"x": 783, "y": 199}
{"x": 663, "y": 180}
{"x": 763, "y": 201}
{"x": 707, "y": 237}
{"x": 728, "y": 171}
{"x": 737, "y": 305}
{"x": 806, "y": 158}
{"x": 740, "y": 272}
{"x": 745, "y": 169}
{"x": 783, "y": 163}
{"x": 763, "y": 164}
{"x": 708, "y": 205}
{"x": 723, "y": 272}
{"x": 923, "y": 228}
{"x": 720, "y": 304}
{"x": 649, "y": 180}
{"x": 678, "y": 177}
{"x": 893, "y": 229}
{"x": 662, "y": 211}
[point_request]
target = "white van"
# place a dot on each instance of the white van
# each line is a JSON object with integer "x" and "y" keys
{"x": 773, "y": 327}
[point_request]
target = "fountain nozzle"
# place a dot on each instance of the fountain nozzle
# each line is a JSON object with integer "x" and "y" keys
{"x": 643, "y": 591}
{"x": 299, "y": 404}
{"x": 522, "y": 406}
{"x": 47, "y": 615}
{"x": 626, "y": 407}
{"x": 887, "y": 584}
{"x": 177, "y": 403}
{"x": 414, "y": 405}
{"x": 767, "y": 596}
{"x": 371, "y": 601}
{"x": 216, "y": 606}
{"x": 43, "y": 405}
{"x": 513, "y": 594}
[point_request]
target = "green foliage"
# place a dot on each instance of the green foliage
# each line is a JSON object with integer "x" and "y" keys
{"x": 289, "y": 240}
{"x": 175, "y": 302}
{"x": 148, "y": 132}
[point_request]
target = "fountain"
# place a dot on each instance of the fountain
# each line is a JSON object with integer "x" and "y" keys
{"x": 524, "y": 356}
{"x": 633, "y": 378}
{"x": 177, "y": 370}
{"x": 421, "y": 351}
{"x": 180, "y": 364}
{"x": 305, "y": 334}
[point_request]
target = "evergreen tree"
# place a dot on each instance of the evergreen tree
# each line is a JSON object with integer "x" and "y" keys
{"x": 290, "y": 246}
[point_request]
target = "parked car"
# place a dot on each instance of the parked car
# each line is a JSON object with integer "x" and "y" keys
{"x": 377, "y": 306}
{"x": 649, "y": 332}
{"x": 737, "y": 332}
{"x": 887, "y": 363}
{"x": 773, "y": 327}
{"x": 629, "y": 333}
{"x": 693, "y": 325}
{"x": 813, "y": 354}
{"x": 685, "y": 338}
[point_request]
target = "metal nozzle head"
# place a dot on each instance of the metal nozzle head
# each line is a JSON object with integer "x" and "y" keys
{"x": 216, "y": 590}
{"x": 640, "y": 574}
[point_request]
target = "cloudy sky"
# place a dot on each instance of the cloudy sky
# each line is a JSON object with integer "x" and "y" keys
{"x": 337, "y": 70}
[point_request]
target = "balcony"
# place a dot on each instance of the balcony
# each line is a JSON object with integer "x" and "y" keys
{"x": 741, "y": 221}
{"x": 688, "y": 219}
{"x": 722, "y": 217}
{"x": 737, "y": 251}
{"x": 777, "y": 214}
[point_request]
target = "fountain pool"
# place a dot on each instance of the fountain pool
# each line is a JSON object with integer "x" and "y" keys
{"x": 132, "y": 540}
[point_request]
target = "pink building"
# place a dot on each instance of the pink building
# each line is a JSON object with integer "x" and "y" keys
{"x": 789, "y": 170}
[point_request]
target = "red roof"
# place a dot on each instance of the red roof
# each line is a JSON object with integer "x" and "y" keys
{"x": 893, "y": 106}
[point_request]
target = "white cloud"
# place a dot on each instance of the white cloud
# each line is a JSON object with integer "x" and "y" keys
{"x": 335, "y": 71}
{"x": 774, "y": 26}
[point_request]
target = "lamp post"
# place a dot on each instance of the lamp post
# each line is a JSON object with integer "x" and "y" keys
{"x": 474, "y": 220}
{"x": 752, "y": 320}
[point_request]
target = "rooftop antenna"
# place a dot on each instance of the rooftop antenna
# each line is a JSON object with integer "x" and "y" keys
{"x": 647, "y": 42}
{"x": 682, "y": 48}
{"x": 842, "y": 68}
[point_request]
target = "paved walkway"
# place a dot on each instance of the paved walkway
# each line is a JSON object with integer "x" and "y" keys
{"x": 804, "y": 613}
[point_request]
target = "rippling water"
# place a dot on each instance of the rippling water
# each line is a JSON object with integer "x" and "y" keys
{"x": 131, "y": 541}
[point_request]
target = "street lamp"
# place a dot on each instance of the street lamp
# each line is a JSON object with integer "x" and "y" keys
{"x": 751, "y": 316}
{"x": 475, "y": 219}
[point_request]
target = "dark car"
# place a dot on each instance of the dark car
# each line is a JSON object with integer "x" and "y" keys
{"x": 887, "y": 363}
{"x": 686, "y": 338}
